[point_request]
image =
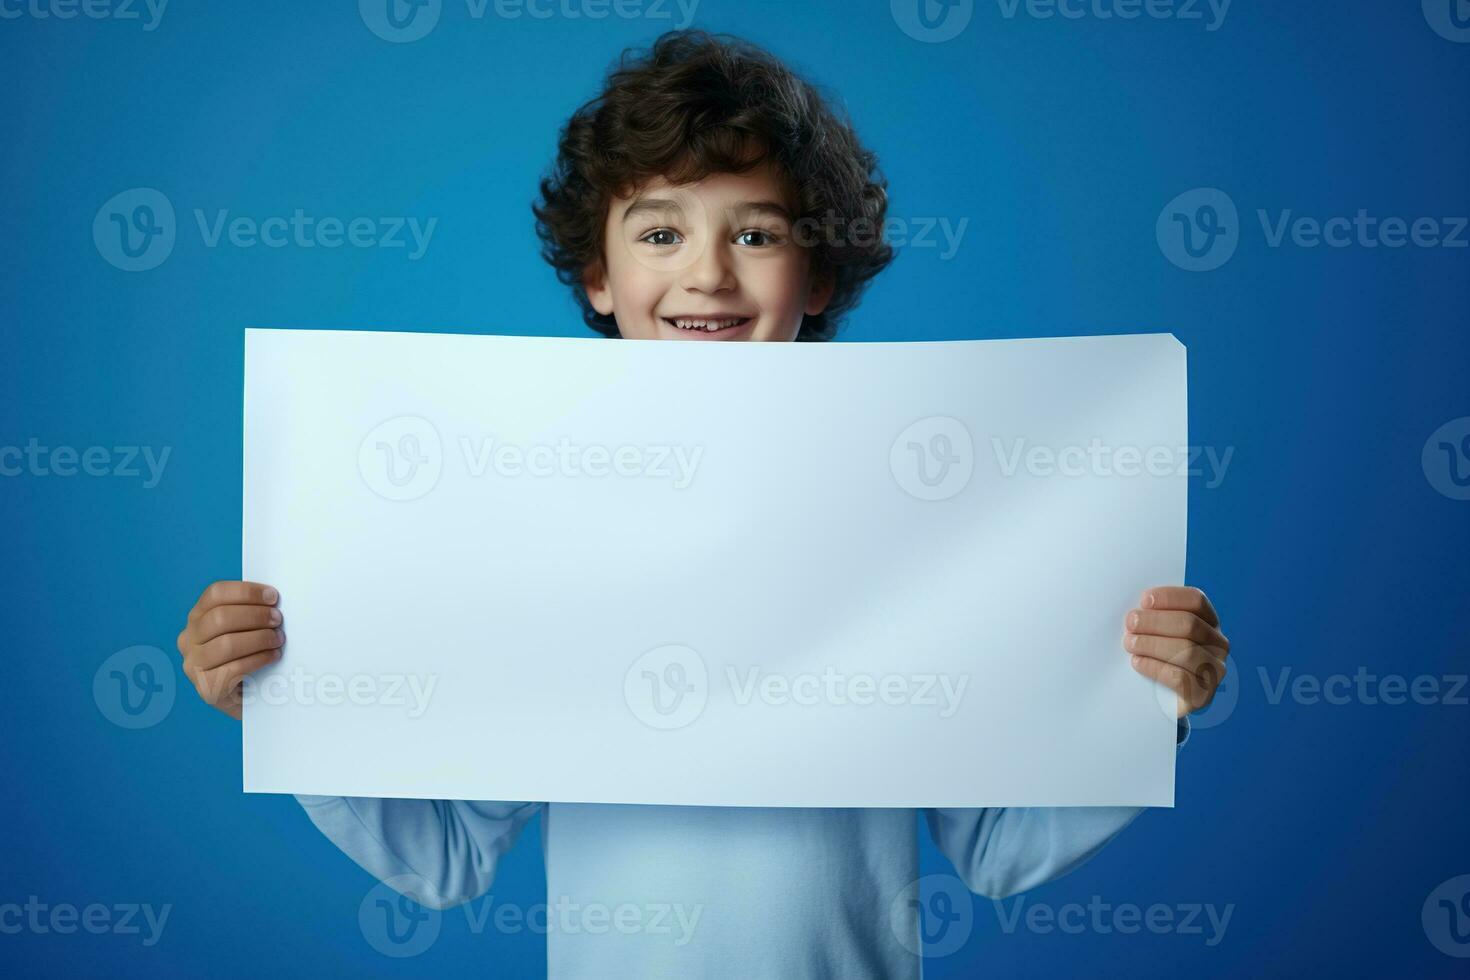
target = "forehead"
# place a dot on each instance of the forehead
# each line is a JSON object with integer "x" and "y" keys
{"x": 762, "y": 184}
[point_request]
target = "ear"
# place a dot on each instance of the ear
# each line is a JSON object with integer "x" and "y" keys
{"x": 820, "y": 293}
{"x": 594, "y": 281}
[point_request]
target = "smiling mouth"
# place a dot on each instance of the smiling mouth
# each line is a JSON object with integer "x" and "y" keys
{"x": 707, "y": 324}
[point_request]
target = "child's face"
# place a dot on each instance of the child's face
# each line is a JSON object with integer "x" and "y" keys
{"x": 715, "y": 250}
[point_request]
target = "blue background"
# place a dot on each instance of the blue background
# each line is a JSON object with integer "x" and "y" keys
{"x": 1326, "y": 547}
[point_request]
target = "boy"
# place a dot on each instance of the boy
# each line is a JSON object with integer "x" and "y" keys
{"x": 683, "y": 206}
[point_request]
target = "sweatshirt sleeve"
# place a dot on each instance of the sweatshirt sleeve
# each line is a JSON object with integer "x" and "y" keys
{"x": 441, "y": 853}
{"x": 1001, "y": 851}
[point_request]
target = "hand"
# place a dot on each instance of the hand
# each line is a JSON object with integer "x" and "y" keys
{"x": 1175, "y": 639}
{"x": 233, "y": 630}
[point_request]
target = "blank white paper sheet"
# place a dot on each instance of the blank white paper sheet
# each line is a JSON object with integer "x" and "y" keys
{"x": 712, "y": 574}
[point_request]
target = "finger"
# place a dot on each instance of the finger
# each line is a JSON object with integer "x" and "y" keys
{"x": 232, "y": 593}
{"x": 1208, "y": 665}
{"x": 1170, "y": 622}
{"x": 1190, "y": 692}
{"x": 221, "y": 686}
{"x": 232, "y": 619}
{"x": 1181, "y": 597}
{"x": 232, "y": 646}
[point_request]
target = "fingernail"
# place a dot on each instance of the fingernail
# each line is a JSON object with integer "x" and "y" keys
{"x": 275, "y": 654}
{"x": 1133, "y": 620}
{"x": 1132, "y": 641}
{"x": 270, "y": 595}
{"x": 1148, "y": 600}
{"x": 280, "y": 637}
{"x": 275, "y": 617}
{"x": 1135, "y": 660}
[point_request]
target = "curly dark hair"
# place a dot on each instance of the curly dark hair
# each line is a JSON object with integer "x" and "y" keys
{"x": 696, "y": 104}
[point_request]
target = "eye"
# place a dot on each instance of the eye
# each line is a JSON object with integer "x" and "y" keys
{"x": 664, "y": 237}
{"x": 761, "y": 236}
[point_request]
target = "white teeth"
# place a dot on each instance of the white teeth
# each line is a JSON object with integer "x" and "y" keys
{"x": 709, "y": 326}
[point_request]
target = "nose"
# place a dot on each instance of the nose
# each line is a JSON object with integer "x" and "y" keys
{"x": 711, "y": 271}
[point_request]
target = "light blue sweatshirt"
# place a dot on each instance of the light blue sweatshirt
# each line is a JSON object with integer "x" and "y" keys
{"x": 672, "y": 891}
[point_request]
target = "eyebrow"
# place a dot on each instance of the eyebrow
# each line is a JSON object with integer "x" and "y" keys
{"x": 663, "y": 205}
